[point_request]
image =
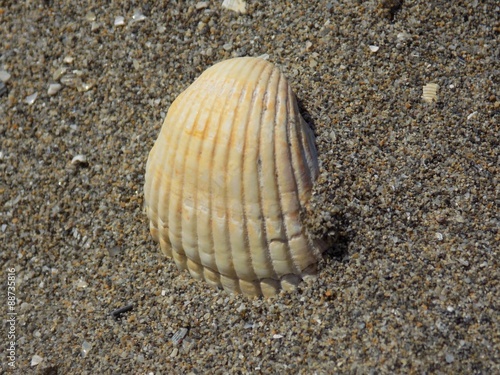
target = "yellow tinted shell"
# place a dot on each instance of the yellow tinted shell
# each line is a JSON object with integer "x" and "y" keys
{"x": 228, "y": 178}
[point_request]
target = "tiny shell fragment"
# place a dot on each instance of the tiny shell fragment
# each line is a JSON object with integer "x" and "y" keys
{"x": 79, "y": 159}
{"x": 238, "y": 6}
{"x": 179, "y": 336}
{"x": 71, "y": 80}
{"x": 229, "y": 177}
{"x": 374, "y": 48}
{"x": 430, "y": 92}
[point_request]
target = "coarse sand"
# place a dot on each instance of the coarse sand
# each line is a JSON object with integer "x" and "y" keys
{"x": 411, "y": 188}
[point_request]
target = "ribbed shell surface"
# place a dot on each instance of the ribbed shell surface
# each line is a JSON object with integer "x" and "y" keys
{"x": 228, "y": 177}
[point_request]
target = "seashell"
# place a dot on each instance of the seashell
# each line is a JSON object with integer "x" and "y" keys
{"x": 430, "y": 92}
{"x": 228, "y": 178}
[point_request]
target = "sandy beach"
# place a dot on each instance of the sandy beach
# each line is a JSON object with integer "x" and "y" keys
{"x": 409, "y": 185}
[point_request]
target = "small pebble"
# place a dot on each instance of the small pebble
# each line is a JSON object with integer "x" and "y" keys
{"x": 4, "y": 76}
{"x": 119, "y": 21}
{"x": 201, "y": 5}
{"x": 31, "y": 98}
{"x": 59, "y": 73}
{"x": 138, "y": 16}
{"x": 90, "y": 16}
{"x": 36, "y": 359}
{"x": 86, "y": 347}
{"x": 81, "y": 284}
{"x": 450, "y": 358}
{"x": 54, "y": 89}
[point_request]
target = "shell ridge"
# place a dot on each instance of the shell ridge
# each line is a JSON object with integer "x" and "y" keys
{"x": 299, "y": 158}
{"x": 152, "y": 189}
{"x": 229, "y": 215}
{"x": 299, "y": 125}
{"x": 180, "y": 202}
{"x": 311, "y": 154}
{"x": 165, "y": 199}
{"x": 276, "y": 140}
{"x": 260, "y": 176}
{"x": 289, "y": 236}
{"x": 300, "y": 165}
{"x": 209, "y": 246}
{"x": 243, "y": 254}
{"x": 229, "y": 260}
{"x": 263, "y": 75}
{"x": 196, "y": 149}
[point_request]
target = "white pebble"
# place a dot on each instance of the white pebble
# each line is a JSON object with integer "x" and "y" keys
{"x": 81, "y": 284}
{"x": 201, "y": 4}
{"x": 54, "y": 88}
{"x": 239, "y": 6}
{"x": 138, "y": 16}
{"x": 36, "y": 359}
{"x": 31, "y": 98}
{"x": 4, "y": 76}
{"x": 119, "y": 21}
{"x": 90, "y": 16}
{"x": 374, "y": 48}
{"x": 86, "y": 346}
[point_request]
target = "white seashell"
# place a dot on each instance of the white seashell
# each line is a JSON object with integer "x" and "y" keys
{"x": 374, "y": 48}
{"x": 430, "y": 92}
{"x": 228, "y": 178}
